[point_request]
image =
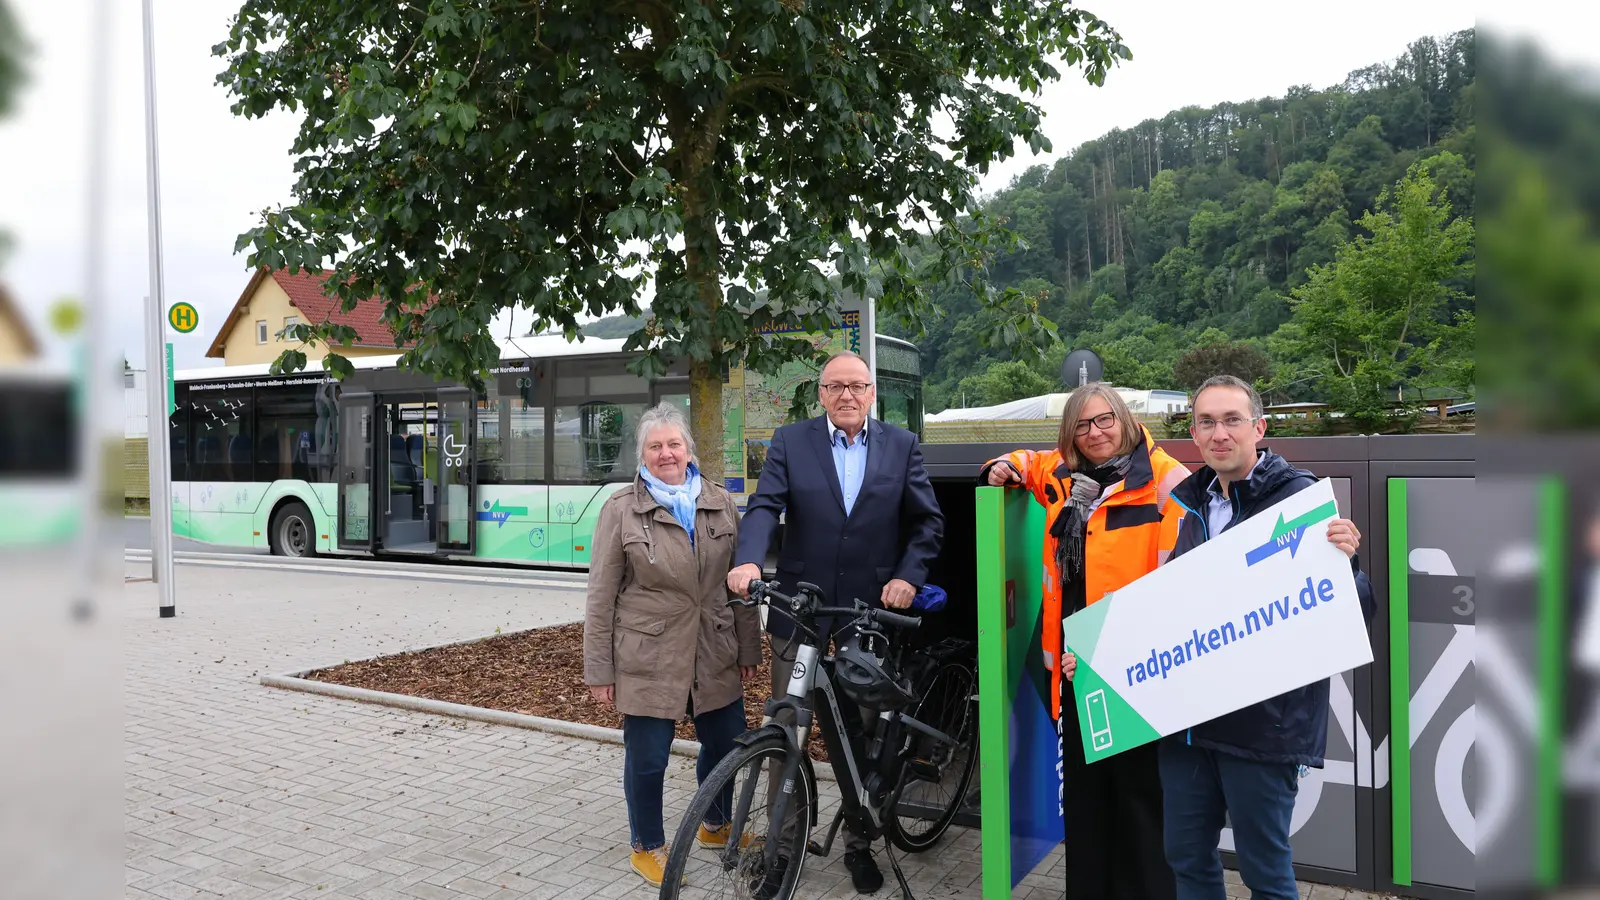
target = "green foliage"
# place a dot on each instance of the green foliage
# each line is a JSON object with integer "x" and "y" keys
{"x": 13, "y": 47}
{"x": 1539, "y": 243}
{"x": 559, "y": 157}
{"x": 1004, "y": 382}
{"x": 1378, "y": 319}
{"x": 1144, "y": 239}
{"x": 1241, "y": 360}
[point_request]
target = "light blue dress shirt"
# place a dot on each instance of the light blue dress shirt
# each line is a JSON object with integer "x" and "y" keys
{"x": 1219, "y": 512}
{"x": 849, "y": 461}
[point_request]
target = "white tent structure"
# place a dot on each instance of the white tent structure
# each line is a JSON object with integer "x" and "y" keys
{"x": 1044, "y": 406}
{"x": 1049, "y": 406}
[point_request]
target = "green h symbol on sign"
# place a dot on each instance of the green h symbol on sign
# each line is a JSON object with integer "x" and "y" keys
{"x": 183, "y": 317}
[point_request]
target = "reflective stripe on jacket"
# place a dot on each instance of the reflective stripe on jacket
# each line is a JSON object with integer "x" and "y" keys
{"x": 1128, "y": 535}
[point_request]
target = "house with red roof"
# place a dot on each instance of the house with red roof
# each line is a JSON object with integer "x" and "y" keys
{"x": 276, "y": 299}
{"x": 17, "y": 342}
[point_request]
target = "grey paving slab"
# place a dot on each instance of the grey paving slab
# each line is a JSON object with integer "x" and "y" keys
{"x": 247, "y": 792}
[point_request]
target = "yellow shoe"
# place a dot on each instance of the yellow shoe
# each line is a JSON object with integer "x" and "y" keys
{"x": 717, "y": 838}
{"x": 652, "y": 865}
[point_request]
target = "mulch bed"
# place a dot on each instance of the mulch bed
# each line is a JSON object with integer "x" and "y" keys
{"x": 536, "y": 673}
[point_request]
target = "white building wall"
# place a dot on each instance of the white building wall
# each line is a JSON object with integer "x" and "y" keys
{"x": 136, "y": 417}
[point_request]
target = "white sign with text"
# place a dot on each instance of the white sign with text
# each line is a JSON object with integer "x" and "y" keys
{"x": 1265, "y": 607}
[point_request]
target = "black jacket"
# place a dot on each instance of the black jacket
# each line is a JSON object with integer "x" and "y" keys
{"x": 1291, "y": 727}
{"x": 894, "y": 529}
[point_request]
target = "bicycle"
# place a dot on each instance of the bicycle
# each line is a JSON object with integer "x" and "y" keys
{"x": 880, "y": 784}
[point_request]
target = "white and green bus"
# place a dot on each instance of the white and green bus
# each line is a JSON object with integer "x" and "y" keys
{"x": 393, "y": 462}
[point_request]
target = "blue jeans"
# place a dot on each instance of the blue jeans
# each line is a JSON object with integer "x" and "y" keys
{"x": 646, "y": 747}
{"x": 1199, "y": 786}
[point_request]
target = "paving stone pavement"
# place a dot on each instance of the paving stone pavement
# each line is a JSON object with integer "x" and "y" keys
{"x": 238, "y": 790}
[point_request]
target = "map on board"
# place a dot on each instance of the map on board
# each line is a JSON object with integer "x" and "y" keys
{"x": 755, "y": 405}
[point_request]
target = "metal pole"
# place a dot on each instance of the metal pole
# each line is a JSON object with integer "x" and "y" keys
{"x": 93, "y": 376}
{"x": 155, "y": 349}
{"x": 159, "y": 444}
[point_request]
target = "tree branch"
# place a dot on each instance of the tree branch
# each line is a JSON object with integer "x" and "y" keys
{"x": 623, "y": 165}
{"x": 481, "y": 40}
{"x": 1404, "y": 328}
{"x": 656, "y": 15}
{"x": 711, "y": 131}
{"x": 752, "y": 83}
{"x": 407, "y": 54}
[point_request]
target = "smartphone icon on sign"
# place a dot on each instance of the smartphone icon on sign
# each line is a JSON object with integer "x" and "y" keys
{"x": 1099, "y": 720}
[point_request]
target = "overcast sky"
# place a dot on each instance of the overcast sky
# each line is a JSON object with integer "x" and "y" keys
{"x": 218, "y": 170}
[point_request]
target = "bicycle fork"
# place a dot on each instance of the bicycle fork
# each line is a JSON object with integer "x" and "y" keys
{"x": 788, "y": 776}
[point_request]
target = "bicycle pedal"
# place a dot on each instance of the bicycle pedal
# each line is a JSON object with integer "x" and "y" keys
{"x": 815, "y": 849}
{"x": 924, "y": 769}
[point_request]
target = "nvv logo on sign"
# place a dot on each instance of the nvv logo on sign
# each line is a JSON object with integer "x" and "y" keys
{"x": 1287, "y": 535}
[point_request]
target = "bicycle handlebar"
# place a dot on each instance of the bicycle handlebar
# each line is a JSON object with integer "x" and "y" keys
{"x": 895, "y": 619}
{"x": 807, "y": 606}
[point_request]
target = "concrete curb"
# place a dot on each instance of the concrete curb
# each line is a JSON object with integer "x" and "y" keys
{"x": 293, "y": 682}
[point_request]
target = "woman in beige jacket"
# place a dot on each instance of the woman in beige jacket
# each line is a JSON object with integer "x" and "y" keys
{"x": 659, "y": 640}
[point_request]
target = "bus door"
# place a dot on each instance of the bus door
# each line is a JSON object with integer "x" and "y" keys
{"x": 457, "y": 471}
{"x": 358, "y": 439}
{"x": 406, "y": 479}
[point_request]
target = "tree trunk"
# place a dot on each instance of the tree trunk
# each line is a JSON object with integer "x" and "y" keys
{"x": 705, "y": 376}
{"x": 1149, "y": 150}
{"x": 705, "y": 418}
{"x": 1088, "y": 245}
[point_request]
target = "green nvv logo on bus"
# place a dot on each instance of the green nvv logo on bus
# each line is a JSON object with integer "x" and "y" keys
{"x": 183, "y": 317}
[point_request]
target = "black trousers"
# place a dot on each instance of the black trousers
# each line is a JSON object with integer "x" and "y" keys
{"x": 1114, "y": 838}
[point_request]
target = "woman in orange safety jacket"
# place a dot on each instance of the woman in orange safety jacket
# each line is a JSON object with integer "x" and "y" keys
{"x": 1106, "y": 490}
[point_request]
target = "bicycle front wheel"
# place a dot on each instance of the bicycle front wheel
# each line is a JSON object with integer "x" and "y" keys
{"x": 933, "y": 782}
{"x": 740, "y": 792}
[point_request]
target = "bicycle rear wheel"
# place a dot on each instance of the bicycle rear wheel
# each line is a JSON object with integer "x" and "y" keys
{"x": 747, "y": 773}
{"x": 933, "y": 783}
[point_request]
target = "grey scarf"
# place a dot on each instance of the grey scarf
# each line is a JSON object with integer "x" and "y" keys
{"x": 1070, "y": 525}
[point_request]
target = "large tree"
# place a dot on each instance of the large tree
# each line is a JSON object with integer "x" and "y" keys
{"x": 1235, "y": 358}
{"x": 567, "y": 156}
{"x": 1387, "y": 315}
{"x": 12, "y": 49}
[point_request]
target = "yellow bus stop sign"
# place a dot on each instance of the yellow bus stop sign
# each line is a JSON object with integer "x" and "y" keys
{"x": 183, "y": 317}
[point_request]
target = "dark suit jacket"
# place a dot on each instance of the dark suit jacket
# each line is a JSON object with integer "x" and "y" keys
{"x": 894, "y": 530}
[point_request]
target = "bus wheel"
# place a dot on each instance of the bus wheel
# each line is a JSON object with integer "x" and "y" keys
{"x": 294, "y": 531}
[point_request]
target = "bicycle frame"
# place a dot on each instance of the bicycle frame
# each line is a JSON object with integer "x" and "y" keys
{"x": 810, "y": 686}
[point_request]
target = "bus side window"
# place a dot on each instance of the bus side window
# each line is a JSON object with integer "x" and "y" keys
{"x": 221, "y": 431}
{"x": 179, "y": 427}
{"x": 601, "y": 430}
{"x": 598, "y": 403}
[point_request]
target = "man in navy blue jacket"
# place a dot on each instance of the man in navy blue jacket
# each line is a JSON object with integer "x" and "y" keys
{"x": 861, "y": 523}
{"x": 1248, "y": 762}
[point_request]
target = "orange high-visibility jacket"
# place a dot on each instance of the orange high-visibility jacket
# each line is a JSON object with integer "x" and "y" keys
{"x": 1129, "y": 534}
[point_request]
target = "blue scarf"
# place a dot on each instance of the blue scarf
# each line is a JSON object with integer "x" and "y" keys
{"x": 679, "y": 499}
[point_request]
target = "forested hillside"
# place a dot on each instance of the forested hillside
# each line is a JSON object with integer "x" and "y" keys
{"x": 1207, "y": 228}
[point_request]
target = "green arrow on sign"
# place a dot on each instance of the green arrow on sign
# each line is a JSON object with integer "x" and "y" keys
{"x": 1325, "y": 511}
{"x": 1287, "y": 534}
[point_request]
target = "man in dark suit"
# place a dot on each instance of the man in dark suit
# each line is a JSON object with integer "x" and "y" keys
{"x": 861, "y": 523}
